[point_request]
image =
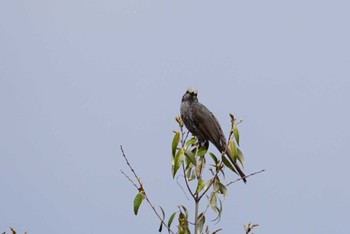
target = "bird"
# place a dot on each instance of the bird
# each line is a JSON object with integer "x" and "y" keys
{"x": 202, "y": 123}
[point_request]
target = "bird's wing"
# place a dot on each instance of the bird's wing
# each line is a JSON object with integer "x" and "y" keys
{"x": 209, "y": 127}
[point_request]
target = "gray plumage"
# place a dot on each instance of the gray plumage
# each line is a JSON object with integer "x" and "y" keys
{"x": 203, "y": 124}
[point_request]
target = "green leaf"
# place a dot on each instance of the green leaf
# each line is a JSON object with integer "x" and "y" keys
{"x": 240, "y": 157}
{"x": 200, "y": 223}
{"x": 188, "y": 163}
{"x": 216, "y": 185}
{"x": 213, "y": 201}
{"x": 191, "y": 157}
{"x": 163, "y": 213}
{"x": 214, "y": 158}
{"x": 185, "y": 210}
{"x": 190, "y": 175}
{"x": 200, "y": 166}
{"x": 228, "y": 164}
{"x": 161, "y": 223}
{"x": 233, "y": 149}
{"x": 236, "y": 133}
{"x": 202, "y": 151}
{"x": 216, "y": 231}
{"x": 138, "y": 201}
{"x": 223, "y": 189}
{"x": 190, "y": 142}
{"x": 175, "y": 143}
{"x": 207, "y": 229}
{"x": 171, "y": 219}
{"x": 179, "y": 157}
{"x": 219, "y": 210}
{"x": 200, "y": 185}
{"x": 183, "y": 224}
{"x": 207, "y": 184}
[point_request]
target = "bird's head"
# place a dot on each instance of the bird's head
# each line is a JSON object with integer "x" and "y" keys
{"x": 190, "y": 95}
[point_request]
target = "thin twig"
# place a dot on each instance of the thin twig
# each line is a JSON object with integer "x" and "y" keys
{"x": 158, "y": 215}
{"x": 186, "y": 136}
{"x": 228, "y": 184}
{"x": 127, "y": 162}
{"x": 183, "y": 190}
{"x": 129, "y": 179}
{"x": 140, "y": 188}
{"x": 251, "y": 174}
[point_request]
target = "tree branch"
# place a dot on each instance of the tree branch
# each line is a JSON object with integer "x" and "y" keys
{"x": 140, "y": 188}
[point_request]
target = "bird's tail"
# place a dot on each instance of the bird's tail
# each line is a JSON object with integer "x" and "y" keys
{"x": 238, "y": 169}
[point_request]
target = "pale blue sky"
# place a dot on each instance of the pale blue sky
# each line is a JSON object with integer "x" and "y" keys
{"x": 79, "y": 78}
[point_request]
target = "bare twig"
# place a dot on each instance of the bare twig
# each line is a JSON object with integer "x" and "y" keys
{"x": 185, "y": 139}
{"x": 129, "y": 179}
{"x": 140, "y": 188}
{"x": 127, "y": 162}
{"x": 251, "y": 174}
{"x": 183, "y": 190}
